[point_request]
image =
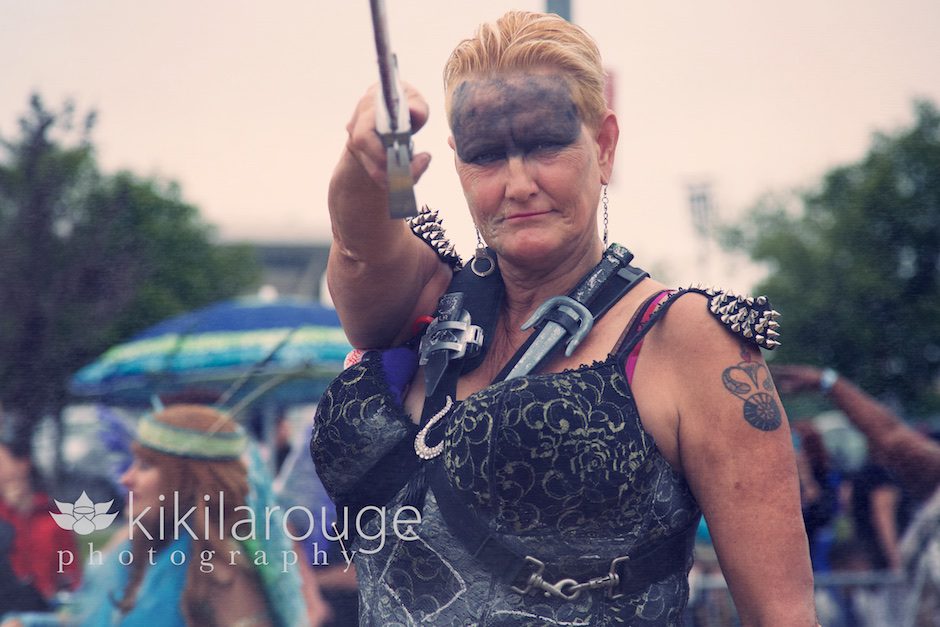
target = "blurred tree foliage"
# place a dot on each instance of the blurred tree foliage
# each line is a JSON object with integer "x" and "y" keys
{"x": 855, "y": 266}
{"x": 87, "y": 259}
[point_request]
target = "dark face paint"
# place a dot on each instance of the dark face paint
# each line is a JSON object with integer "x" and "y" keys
{"x": 524, "y": 115}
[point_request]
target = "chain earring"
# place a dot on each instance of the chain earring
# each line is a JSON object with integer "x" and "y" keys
{"x": 604, "y": 203}
{"x": 483, "y": 263}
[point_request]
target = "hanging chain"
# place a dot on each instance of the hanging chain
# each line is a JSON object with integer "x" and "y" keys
{"x": 604, "y": 201}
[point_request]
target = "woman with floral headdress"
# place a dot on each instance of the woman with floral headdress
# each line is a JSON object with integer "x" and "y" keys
{"x": 188, "y": 458}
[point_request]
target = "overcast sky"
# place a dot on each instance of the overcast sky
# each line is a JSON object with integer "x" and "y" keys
{"x": 244, "y": 103}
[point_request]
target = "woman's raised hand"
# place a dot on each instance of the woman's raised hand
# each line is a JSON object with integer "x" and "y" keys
{"x": 365, "y": 145}
{"x": 380, "y": 275}
{"x": 791, "y": 379}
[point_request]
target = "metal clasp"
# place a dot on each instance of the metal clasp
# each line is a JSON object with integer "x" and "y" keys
{"x": 458, "y": 336}
{"x": 533, "y": 578}
{"x": 569, "y": 589}
{"x": 537, "y": 582}
{"x": 613, "y": 574}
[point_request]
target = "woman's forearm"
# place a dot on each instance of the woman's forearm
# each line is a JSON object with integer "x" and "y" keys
{"x": 377, "y": 268}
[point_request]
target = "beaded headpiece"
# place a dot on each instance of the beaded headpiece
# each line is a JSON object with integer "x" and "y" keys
{"x": 183, "y": 442}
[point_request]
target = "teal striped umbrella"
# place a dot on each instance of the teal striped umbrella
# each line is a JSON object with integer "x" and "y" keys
{"x": 286, "y": 349}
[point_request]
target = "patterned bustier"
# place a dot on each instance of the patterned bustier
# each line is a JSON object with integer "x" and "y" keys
{"x": 558, "y": 466}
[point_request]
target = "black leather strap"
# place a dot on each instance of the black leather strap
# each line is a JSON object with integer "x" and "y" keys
{"x": 636, "y": 571}
{"x": 607, "y": 283}
{"x": 655, "y": 563}
{"x": 481, "y": 297}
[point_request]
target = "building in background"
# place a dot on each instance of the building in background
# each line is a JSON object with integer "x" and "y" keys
{"x": 294, "y": 269}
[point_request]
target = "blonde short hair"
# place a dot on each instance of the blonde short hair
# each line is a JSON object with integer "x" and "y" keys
{"x": 521, "y": 40}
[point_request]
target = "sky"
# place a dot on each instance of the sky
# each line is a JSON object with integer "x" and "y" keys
{"x": 244, "y": 103}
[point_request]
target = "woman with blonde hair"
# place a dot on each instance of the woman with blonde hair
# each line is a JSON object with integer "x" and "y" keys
{"x": 564, "y": 420}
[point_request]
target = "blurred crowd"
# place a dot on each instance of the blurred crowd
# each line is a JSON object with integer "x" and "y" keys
{"x": 870, "y": 492}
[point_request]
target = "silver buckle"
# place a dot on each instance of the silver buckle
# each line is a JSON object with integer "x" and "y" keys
{"x": 458, "y": 336}
{"x": 533, "y": 577}
{"x": 569, "y": 589}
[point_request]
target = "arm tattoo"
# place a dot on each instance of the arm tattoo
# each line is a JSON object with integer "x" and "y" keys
{"x": 750, "y": 381}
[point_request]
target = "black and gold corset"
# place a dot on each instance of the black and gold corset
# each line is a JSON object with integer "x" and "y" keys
{"x": 558, "y": 466}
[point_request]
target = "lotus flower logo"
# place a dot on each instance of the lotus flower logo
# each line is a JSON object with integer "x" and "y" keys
{"x": 84, "y": 516}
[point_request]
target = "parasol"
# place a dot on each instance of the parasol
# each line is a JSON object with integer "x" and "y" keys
{"x": 286, "y": 349}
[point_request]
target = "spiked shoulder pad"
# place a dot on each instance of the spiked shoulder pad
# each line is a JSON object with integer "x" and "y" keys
{"x": 751, "y": 318}
{"x": 428, "y": 226}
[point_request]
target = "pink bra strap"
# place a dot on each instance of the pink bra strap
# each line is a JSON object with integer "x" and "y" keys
{"x": 630, "y": 364}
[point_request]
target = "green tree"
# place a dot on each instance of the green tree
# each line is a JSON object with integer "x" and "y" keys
{"x": 855, "y": 265}
{"x": 87, "y": 259}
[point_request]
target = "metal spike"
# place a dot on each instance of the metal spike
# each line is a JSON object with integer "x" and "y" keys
{"x": 772, "y": 343}
{"x": 748, "y": 333}
{"x": 759, "y": 339}
{"x": 724, "y": 319}
{"x": 735, "y": 327}
{"x": 771, "y": 333}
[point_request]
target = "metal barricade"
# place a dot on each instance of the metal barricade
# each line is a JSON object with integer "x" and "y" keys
{"x": 843, "y": 599}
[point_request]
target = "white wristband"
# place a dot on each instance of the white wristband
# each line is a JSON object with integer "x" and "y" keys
{"x": 827, "y": 380}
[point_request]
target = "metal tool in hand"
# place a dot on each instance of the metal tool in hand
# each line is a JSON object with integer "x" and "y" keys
{"x": 392, "y": 121}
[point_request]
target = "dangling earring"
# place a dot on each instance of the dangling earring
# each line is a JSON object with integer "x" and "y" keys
{"x": 483, "y": 263}
{"x": 604, "y": 203}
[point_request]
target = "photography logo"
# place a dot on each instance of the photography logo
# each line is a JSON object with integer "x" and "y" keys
{"x": 83, "y": 516}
